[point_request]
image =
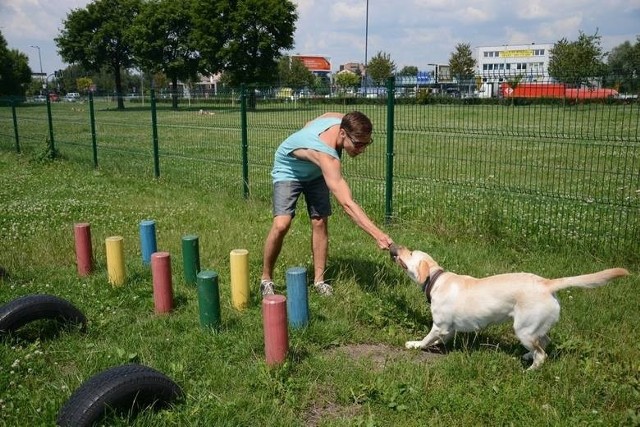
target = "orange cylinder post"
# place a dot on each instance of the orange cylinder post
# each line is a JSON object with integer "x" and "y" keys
{"x": 84, "y": 252}
{"x": 274, "y": 321}
{"x": 162, "y": 289}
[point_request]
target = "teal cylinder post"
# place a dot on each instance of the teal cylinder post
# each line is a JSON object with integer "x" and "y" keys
{"x": 297, "y": 297}
{"x": 148, "y": 244}
{"x": 15, "y": 125}
{"x": 190, "y": 258}
{"x": 209, "y": 299}
{"x": 92, "y": 119}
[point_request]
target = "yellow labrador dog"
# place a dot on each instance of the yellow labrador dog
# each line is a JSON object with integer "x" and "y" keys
{"x": 466, "y": 304}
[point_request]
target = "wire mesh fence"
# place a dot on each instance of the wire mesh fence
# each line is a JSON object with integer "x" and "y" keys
{"x": 560, "y": 172}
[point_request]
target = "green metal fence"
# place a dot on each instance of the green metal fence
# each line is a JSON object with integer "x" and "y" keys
{"x": 558, "y": 173}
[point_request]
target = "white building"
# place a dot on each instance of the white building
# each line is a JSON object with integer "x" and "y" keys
{"x": 497, "y": 64}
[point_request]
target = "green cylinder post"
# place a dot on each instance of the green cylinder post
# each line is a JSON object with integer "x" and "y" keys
{"x": 209, "y": 299}
{"x": 52, "y": 145}
{"x": 190, "y": 258}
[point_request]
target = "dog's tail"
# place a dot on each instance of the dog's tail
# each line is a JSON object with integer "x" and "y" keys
{"x": 592, "y": 280}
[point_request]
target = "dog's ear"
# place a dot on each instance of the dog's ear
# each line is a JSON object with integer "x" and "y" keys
{"x": 423, "y": 271}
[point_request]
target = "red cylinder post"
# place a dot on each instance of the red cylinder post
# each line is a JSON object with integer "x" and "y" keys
{"x": 162, "y": 289}
{"x": 84, "y": 252}
{"x": 274, "y": 321}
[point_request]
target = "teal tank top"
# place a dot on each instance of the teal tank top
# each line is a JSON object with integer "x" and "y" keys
{"x": 286, "y": 167}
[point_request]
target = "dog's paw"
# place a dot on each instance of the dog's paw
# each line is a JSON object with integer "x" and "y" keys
{"x": 413, "y": 344}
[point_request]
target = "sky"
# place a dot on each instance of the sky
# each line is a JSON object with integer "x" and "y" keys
{"x": 411, "y": 32}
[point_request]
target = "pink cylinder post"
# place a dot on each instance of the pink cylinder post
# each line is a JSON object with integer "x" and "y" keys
{"x": 162, "y": 290}
{"x": 274, "y": 321}
{"x": 84, "y": 252}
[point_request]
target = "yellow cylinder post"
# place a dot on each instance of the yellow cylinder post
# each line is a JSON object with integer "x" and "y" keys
{"x": 239, "y": 261}
{"x": 115, "y": 260}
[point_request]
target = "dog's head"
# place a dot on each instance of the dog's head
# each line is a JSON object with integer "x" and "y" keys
{"x": 416, "y": 264}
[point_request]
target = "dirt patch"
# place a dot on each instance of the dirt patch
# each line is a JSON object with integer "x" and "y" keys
{"x": 379, "y": 354}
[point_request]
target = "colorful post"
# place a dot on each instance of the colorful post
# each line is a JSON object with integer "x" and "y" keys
{"x": 274, "y": 322}
{"x": 239, "y": 264}
{"x": 148, "y": 244}
{"x": 115, "y": 260}
{"x": 297, "y": 297}
{"x": 191, "y": 258}
{"x": 162, "y": 290}
{"x": 84, "y": 252}
{"x": 209, "y": 299}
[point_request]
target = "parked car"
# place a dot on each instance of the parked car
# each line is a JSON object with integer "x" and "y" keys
{"x": 39, "y": 98}
{"x": 72, "y": 97}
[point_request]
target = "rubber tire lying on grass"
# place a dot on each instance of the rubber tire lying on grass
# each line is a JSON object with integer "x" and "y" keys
{"x": 20, "y": 311}
{"x": 126, "y": 388}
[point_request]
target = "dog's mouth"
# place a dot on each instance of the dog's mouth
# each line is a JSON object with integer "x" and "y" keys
{"x": 395, "y": 257}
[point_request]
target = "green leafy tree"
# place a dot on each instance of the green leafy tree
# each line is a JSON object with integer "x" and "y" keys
{"x": 244, "y": 38}
{"x": 83, "y": 84}
{"x": 380, "y": 68}
{"x": 579, "y": 62}
{"x": 15, "y": 74}
{"x": 461, "y": 62}
{"x": 409, "y": 70}
{"x": 162, "y": 41}
{"x": 624, "y": 66}
{"x": 294, "y": 73}
{"x": 346, "y": 79}
{"x": 96, "y": 37}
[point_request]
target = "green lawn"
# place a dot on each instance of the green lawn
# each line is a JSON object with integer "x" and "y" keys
{"x": 348, "y": 367}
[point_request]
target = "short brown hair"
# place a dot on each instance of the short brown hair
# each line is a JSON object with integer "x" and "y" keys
{"x": 357, "y": 125}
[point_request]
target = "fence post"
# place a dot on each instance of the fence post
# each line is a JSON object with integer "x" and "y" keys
{"x": 245, "y": 156}
{"x": 388, "y": 208}
{"x": 92, "y": 119}
{"x": 154, "y": 125}
{"x": 15, "y": 124}
{"x": 52, "y": 145}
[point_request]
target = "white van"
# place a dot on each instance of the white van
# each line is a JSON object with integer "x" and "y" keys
{"x": 72, "y": 97}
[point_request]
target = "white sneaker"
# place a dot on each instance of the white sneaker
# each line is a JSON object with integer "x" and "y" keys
{"x": 323, "y": 288}
{"x": 267, "y": 287}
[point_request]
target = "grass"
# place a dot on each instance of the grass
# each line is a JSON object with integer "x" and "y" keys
{"x": 591, "y": 377}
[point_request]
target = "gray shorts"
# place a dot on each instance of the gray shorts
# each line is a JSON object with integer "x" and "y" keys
{"x": 316, "y": 195}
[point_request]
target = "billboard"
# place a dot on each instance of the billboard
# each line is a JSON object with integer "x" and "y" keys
{"x": 315, "y": 62}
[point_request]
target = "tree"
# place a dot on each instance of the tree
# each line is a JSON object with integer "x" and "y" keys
{"x": 294, "y": 73}
{"x": 409, "y": 70}
{"x": 97, "y": 36}
{"x": 461, "y": 62}
{"x": 162, "y": 41}
{"x": 15, "y": 74}
{"x": 624, "y": 66}
{"x": 577, "y": 63}
{"x": 347, "y": 79}
{"x": 244, "y": 38}
{"x": 380, "y": 68}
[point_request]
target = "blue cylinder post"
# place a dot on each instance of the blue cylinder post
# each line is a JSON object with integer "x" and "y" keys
{"x": 148, "y": 240}
{"x": 297, "y": 297}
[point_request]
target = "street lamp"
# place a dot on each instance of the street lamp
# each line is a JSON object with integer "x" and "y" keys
{"x": 366, "y": 42}
{"x": 39, "y": 59}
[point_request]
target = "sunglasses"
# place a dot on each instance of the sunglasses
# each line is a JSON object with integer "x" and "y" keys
{"x": 358, "y": 144}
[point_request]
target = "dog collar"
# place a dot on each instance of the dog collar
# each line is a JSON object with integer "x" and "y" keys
{"x": 429, "y": 282}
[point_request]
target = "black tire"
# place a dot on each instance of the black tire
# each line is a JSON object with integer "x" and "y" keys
{"x": 125, "y": 389}
{"x": 20, "y": 311}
